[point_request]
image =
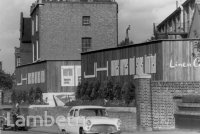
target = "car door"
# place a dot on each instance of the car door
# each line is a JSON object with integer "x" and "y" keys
{"x": 74, "y": 122}
{"x": 69, "y": 124}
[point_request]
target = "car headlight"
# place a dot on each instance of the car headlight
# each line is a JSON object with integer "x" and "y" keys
{"x": 88, "y": 123}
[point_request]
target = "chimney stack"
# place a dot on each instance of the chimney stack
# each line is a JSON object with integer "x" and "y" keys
{"x": 177, "y": 4}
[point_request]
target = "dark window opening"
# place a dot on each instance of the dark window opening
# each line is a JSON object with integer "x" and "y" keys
{"x": 86, "y": 20}
{"x": 86, "y": 44}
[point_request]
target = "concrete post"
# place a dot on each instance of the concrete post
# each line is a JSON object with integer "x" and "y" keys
{"x": 144, "y": 102}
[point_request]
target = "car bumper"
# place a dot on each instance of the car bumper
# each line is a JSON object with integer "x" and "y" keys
{"x": 118, "y": 132}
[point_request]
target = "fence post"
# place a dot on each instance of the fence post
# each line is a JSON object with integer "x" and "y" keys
{"x": 143, "y": 102}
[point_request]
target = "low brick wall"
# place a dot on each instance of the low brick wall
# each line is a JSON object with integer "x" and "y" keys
{"x": 163, "y": 104}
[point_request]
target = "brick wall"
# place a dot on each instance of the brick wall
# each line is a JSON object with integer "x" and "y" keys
{"x": 163, "y": 104}
{"x": 61, "y": 30}
{"x": 155, "y": 104}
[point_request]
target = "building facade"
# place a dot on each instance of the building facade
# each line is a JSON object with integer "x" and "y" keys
{"x": 23, "y": 54}
{"x": 163, "y": 60}
{"x": 178, "y": 24}
{"x": 60, "y": 31}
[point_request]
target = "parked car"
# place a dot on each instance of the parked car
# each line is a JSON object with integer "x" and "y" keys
{"x": 89, "y": 119}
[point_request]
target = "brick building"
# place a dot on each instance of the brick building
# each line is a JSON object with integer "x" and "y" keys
{"x": 55, "y": 35}
{"x": 178, "y": 24}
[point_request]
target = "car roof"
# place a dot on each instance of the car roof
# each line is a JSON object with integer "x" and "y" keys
{"x": 88, "y": 107}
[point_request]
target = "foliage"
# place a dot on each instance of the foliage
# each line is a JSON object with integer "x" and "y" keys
{"x": 32, "y": 96}
{"x": 78, "y": 91}
{"x": 117, "y": 91}
{"x": 123, "y": 43}
{"x": 84, "y": 88}
{"x": 95, "y": 90}
{"x": 38, "y": 94}
{"x": 128, "y": 92}
{"x": 106, "y": 91}
{"x": 89, "y": 90}
{"x": 6, "y": 81}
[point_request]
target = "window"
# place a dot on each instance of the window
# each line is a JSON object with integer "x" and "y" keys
{"x": 86, "y": 44}
{"x": 76, "y": 113}
{"x": 72, "y": 113}
{"x": 67, "y": 76}
{"x": 33, "y": 27}
{"x": 86, "y": 20}
{"x": 36, "y": 55}
{"x": 36, "y": 23}
{"x": 18, "y": 61}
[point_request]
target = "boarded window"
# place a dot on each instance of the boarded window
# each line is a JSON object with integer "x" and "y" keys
{"x": 132, "y": 66}
{"x": 124, "y": 67}
{"x": 115, "y": 68}
{"x": 42, "y": 77}
{"x": 147, "y": 64}
{"x": 139, "y": 66}
{"x": 153, "y": 64}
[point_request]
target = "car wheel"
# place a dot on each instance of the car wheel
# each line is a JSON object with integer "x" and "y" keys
{"x": 63, "y": 132}
{"x": 81, "y": 131}
{"x": 25, "y": 129}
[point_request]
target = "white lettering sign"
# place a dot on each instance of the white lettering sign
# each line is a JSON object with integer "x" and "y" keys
{"x": 195, "y": 63}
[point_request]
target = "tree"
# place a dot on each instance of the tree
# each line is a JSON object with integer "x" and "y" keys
{"x": 32, "y": 96}
{"x": 106, "y": 90}
{"x": 117, "y": 91}
{"x": 128, "y": 92}
{"x": 6, "y": 81}
{"x": 95, "y": 90}
{"x": 84, "y": 88}
{"x": 38, "y": 95}
{"x": 78, "y": 91}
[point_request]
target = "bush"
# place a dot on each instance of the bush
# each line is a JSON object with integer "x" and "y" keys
{"x": 95, "y": 90}
{"x": 117, "y": 91}
{"x": 89, "y": 90}
{"x": 106, "y": 90}
{"x": 84, "y": 88}
{"x": 78, "y": 91}
{"x": 128, "y": 92}
{"x": 31, "y": 96}
{"x": 38, "y": 95}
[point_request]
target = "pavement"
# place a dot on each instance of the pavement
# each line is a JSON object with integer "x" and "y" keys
{"x": 53, "y": 130}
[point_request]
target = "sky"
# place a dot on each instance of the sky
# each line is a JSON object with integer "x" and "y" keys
{"x": 140, "y": 14}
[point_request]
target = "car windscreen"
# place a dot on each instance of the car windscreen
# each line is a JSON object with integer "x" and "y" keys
{"x": 92, "y": 112}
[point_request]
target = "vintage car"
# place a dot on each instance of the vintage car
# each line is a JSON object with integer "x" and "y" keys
{"x": 89, "y": 120}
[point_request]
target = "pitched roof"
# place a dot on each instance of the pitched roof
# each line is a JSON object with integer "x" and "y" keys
{"x": 178, "y": 10}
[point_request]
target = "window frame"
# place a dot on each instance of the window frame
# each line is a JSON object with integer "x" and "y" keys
{"x": 86, "y": 20}
{"x": 86, "y": 43}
